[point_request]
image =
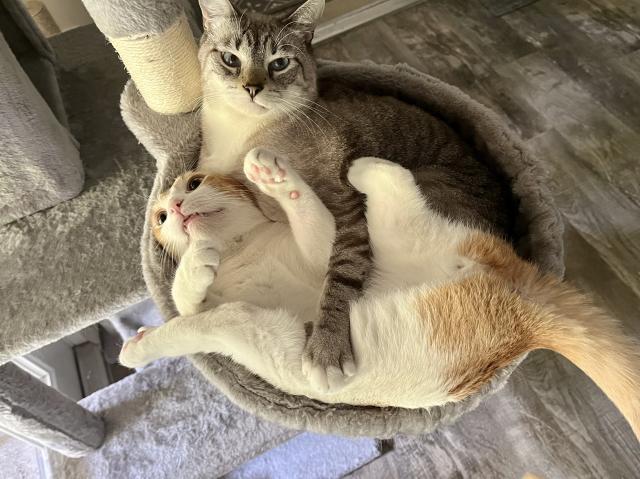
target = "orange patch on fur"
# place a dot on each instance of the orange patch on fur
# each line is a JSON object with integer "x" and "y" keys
{"x": 481, "y": 325}
{"x": 498, "y": 256}
{"x": 549, "y": 314}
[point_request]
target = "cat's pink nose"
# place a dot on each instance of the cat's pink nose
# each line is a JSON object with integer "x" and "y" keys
{"x": 175, "y": 207}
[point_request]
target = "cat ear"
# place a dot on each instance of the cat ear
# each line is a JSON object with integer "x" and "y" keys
{"x": 212, "y": 9}
{"x": 308, "y": 14}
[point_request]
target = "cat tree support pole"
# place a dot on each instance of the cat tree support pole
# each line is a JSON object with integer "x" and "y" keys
{"x": 155, "y": 41}
{"x": 37, "y": 412}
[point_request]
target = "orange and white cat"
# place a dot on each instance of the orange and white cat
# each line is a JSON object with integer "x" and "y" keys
{"x": 447, "y": 307}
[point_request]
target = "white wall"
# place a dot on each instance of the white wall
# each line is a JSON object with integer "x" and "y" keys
{"x": 68, "y": 14}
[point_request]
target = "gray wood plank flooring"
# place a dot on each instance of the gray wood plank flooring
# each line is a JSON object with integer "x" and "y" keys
{"x": 565, "y": 75}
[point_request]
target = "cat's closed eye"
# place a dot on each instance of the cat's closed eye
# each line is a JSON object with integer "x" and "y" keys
{"x": 230, "y": 60}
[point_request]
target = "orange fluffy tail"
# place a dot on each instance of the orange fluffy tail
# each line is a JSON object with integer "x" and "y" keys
{"x": 567, "y": 322}
{"x": 583, "y": 333}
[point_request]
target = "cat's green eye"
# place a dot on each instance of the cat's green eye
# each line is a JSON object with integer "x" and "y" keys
{"x": 161, "y": 217}
{"x": 279, "y": 64}
{"x": 230, "y": 60}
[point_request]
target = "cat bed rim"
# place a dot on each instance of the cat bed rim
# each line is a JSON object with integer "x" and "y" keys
{"x": 488, "y": 133}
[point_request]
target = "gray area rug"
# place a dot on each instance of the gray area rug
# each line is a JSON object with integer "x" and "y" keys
{"x": 21, "y": 460}
{"x": 310, "y": 456}
{"x": 168, "y": 422}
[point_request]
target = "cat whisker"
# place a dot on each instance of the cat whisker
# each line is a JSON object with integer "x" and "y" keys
{"x": 205, "y": 203}
{"x": 238, "y": 23}
{"x": 296, "y": 118}
{"x": 300, "y": 109}
{"x": 292, "y": 32}
{"x": 299, "y": 96}
{"x": 292, "y": 46}
{"x": 278, "y": 39}
{"x": 292, "y": 113}
{"x": 312, "y": 109}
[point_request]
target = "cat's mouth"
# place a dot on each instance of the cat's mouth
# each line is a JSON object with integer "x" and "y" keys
{"x": 192, "y": 219}
{"x": 255, "y": 106}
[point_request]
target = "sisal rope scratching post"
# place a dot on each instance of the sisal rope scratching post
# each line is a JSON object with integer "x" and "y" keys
{"x": 164, "y": 67}
{"x": 155, "y": 41}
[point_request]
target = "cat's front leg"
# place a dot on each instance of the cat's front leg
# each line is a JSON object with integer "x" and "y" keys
{"x": 311, "y": 222}
{"x": 267, "y": 342}
{"x": 194, "y": 276}
{"x": 328, "y": 361}
{"x": 205, "y": 332}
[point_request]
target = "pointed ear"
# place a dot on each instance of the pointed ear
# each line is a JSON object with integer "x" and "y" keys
{"x": 308, "y": 13}
{"x": 216, "y": 8}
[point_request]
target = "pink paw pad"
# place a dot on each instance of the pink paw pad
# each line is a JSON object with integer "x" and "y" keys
{"x": 294, "y": 195}
{"x": 139, "y": 336}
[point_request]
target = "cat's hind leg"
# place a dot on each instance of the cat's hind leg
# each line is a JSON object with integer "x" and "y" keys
{"x": 394, "y": 201}
{"x": 411, "y": 242}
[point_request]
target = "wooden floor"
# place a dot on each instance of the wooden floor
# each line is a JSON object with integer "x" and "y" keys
{"x": 565, "y": 74}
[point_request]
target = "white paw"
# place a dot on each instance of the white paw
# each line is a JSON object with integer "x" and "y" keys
{"x": 272, "y": 174}
{"x": 369, "y": 174}
{"x": 200, "y": 263}
{"x": 329, "y": 379}
{"x": 328, "y": 361}
{"x": 135, "y": 351}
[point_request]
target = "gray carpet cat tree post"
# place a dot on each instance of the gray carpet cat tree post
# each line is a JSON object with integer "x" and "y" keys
{"x": 27, "y": 406}
{"x": 45, "y": 416}
{"x": 38, "y": 155}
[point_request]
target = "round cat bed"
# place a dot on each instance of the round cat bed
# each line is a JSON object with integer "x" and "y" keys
{"x": 174, "y": 141}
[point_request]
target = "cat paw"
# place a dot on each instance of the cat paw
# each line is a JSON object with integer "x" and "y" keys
{"x": 272, "y": 174}
{"x": 328, "y": 361}
{"x": 134, "y": 352}
{"x": 201, "y": 262}
{"x": 370, "y": 174}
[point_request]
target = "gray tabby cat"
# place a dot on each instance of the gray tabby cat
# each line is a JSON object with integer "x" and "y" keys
{"x": 261, "y": 89}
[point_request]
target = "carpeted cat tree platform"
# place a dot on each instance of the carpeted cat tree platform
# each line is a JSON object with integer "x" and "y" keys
{"x": 159, "y": 427}
{"x": 158, "y": 105}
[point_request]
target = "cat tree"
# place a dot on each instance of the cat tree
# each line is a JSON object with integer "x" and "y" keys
{"x": 155, "y": 40}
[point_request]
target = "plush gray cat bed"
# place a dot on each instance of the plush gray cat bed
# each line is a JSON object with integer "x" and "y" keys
{"x": 174, "y": 141}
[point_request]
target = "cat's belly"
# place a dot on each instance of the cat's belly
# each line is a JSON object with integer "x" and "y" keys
{"x": 268, "y": 284}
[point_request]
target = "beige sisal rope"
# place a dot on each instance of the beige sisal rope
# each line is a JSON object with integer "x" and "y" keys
{"x": 164, "y": 67}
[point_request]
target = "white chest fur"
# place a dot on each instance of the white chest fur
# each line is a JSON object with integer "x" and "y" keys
{"x": 225, "y": 135}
